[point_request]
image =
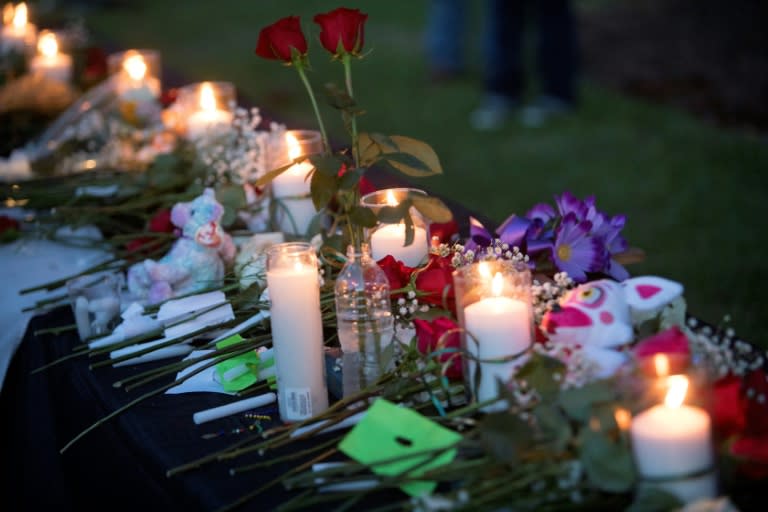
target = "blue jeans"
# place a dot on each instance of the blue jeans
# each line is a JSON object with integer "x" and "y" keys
{"x": 555, "y": 53}
{"x": 445, "y": 34}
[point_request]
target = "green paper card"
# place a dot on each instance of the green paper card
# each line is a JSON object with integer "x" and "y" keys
{"x": 388, "y": 431}
{"x": 250, "y": 360}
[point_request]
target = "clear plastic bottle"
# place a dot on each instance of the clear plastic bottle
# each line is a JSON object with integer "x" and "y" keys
{"x": 365, "y": 321}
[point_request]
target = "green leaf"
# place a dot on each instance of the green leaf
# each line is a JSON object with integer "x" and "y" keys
{"x": 421, "y": 151}
{"x": 232, "y": 198}
{"x": 338, "y": 97}
{"x": 274, "y": 173}
{"x": 504, "y": 436}
{"x": 408, "y": 164}
{"x": 432, "y": 208}
{"x": 362, "y": 216}
{"x": 539, "y": 372}
{"x": 392, "y": 214}
{"x": 578, "y": 403}
{"x": 384, "y": 142}
{"x": 323, "y": 188}
{"x": 608, "y": 463}
{"x": 351, "y": 178}
{"x": 330, "y": 165}
{"x": 653, "y": 499}
{"x": 553, "y": 426}
{"x": 162, "y": 173}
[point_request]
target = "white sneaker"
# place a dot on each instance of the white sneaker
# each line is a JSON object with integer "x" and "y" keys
{"x": 492, "y": 113}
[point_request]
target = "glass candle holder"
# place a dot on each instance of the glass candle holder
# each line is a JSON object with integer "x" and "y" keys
{"x": 205, "y": 108}
{"x": 672, "y": 437}
{"x": 297, "y": 330}
{"x": 50, "y": 61}
{"x": 389, "y": 238}
{"x": 291, "y": 189}
{"x": 136, "y": 74}
{"x": 17, "y": 34}
{"x": 493, "y": 304}
{"x": 95, "y": 301}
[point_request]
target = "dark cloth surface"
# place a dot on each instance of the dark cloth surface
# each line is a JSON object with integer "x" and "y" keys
{"x": 122, "y": 464}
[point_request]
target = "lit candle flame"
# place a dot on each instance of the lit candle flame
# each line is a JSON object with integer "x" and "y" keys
{"x": 497, "y": 284}
{"x": 135, "y": 66}
{"x": 8, "y": 10}
{"x": 294, "y": 148}
{"x": 661, "y": 362}
{"x": 297, "y": 266}
{"x": 47, "y": 44}
{"x": 678, "y": 386}
{"x": 484, "y": 269}
{"x": 391, "y": 200}
{"x": 623, "y": 418}
{"x": 19, "y": 15}
{"x": 207, "y": 98}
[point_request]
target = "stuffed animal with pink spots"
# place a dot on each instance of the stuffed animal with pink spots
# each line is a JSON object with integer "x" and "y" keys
{"x": 597, "y": 316}
{"x": 197, "y": 259}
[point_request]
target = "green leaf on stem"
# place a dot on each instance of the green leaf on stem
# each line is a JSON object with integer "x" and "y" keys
{"x": 419, "y": 150}
{"x": 274, "y": 173}
{"x": 392, "y": 214}
{"x": 408, "y": 164}
{"x": 432, "y": 208}
{"x": 323, "y": 187}
{"x": 362, "y": 216}
{"x": 340, "y": 99}
{"x": 607, "y": 462}
{"x": 232, "y": 198}
{"x": 653, "y": 499}
{"x": 578, "y": 403}
{"x": 504, "y": 436}
{"x": 351, "y": 178}
{"x": 553, "y": 425}
{"x": 327, "y": 164}
{"x": 539, "y": 372}
{"x": 163, "y": 173}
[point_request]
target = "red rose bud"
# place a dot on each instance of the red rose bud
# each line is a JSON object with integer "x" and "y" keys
{"x": 436, "y": 281}
{"x": 432, "y": 336}
{"x": 342, "y": 30}
{"x": 365, "y": 186}
{"x": 727, "y": 408}
{"x": 161, "y": 222}
{"x": 276, "y": 40}
{"x": 445, "y": 231}
{"x": 673, "y": 343}
{"x": 398, "y": 274}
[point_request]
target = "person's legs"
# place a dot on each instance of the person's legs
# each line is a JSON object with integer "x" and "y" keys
{"x": 445, "y": 34}
{"x": 557, "y": 49}
{"x": 503, "y": 76}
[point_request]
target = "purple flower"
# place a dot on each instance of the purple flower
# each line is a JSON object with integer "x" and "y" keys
{"x": 568, "y": 203}
{"x": 541, "y": 212}
{"x": 575, "y": 251}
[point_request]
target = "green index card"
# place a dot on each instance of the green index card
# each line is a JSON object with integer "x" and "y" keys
{"x": 388, "y": 431}
{"x": 250, "y": 361}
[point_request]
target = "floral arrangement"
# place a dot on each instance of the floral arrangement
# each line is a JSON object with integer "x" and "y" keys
{"x": 562, "y": 438}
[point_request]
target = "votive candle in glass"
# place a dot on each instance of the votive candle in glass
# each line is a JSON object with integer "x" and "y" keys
{"x": 291, "y": 188}
{"x": 50, "y": 62}
{"x": 493, "y": 302}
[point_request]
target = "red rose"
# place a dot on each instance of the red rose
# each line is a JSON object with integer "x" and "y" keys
{"x": 342, "y": 30}
{"x": 9, "y": 229}
{"x": 398, "y": 273}
{"x": 436, "y": 282}
{"x": 161, "y": 222}
{"x": 95, "y": 65}
{"x": 441, "y": 333}
{"x": 727, "y": 412}
{"x": 365, "y": 186}
{"x": 673, "y": 343}
{"x": 444, "y": 231}
{"x": 276, "y": 40}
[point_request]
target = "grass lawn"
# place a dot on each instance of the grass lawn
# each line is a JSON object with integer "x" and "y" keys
{"x": 694, "y": 194}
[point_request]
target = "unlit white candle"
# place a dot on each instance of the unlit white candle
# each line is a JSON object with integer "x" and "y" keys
{"x": 499, "y": 327}
{"x": 297, "y": 334}
{"x": 390, "y": 239}
{"x": 293, "y": 182}
{"x": 233, "y": 408}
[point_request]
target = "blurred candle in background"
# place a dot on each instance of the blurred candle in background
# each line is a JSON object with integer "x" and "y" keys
{"x": 50, "y": 62}
{"x": 18, "y": 34}
{"x": 209, "y": 117}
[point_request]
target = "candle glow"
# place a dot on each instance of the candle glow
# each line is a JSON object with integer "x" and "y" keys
{"x": 294, "y": 148}
{"x": 661, "y": 363}
{"x": 207, "y": 98}
{"x": 8, "y": 11}
{"x": 47, "y": 45}
{"x": 135, "y": 66}
{"x": 678, "y": 386}
{"x": 19, "y": 15}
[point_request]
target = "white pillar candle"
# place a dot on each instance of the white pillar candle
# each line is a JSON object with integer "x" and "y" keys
{"x": 17, "y": 34}
{"x": 134, "y": 84}
{"x": 390, "y": 239}
{"x": 297, "y": 331}
{"x": 49, "y": 62}
{"x": 233, "y": 408}
{"x": 497, "y": 327}
{"x": 209, "y": 118}
{"x": 673, "y": 439}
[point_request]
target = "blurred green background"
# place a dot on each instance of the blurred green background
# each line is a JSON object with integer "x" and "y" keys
{"x": 694, "y": 192}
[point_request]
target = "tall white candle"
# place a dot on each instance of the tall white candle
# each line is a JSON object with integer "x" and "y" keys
{"x": 297, "y": 335}
{"x": 390, "y": 239}
{"x": 290, "y": 188}
{"x": 49, "y": 62}
{"x": 673, "y": 439}
{"x": 209, "y": 118}
{"x": 497, "y": 327}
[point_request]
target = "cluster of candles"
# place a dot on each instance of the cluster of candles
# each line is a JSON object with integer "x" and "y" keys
{"x": 20, "y": 35}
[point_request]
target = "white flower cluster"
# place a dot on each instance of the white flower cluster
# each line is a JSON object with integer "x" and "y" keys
{"x": 497, "y": 250}
{"x": 722, "y": 351}
{"x": 546, "y": 295}
{"x": 231, "y": 153}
